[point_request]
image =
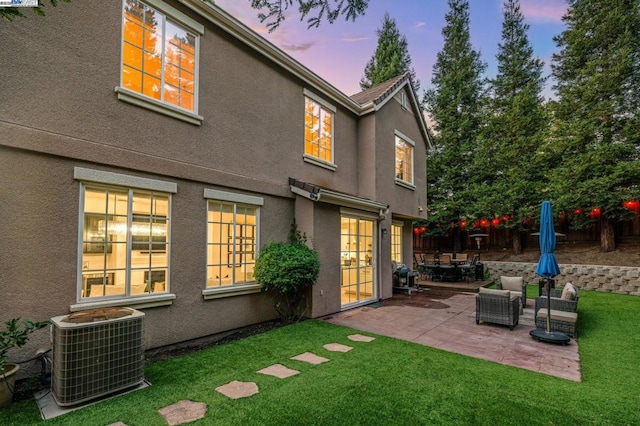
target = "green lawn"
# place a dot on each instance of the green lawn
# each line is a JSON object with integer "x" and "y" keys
{"x": 388, "y": 381}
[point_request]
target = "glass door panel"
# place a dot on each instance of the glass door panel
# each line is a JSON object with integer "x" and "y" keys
{"x": 357, "y": 282}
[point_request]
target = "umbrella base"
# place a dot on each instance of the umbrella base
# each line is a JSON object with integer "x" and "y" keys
{"x": 543, "y": 335}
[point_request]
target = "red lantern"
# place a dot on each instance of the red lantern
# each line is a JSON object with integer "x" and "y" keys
{"x": 495, "y": 222}
{"x": 632, "y": 205}
{"x": 595, "y": 213}
{"x": 463, "y": 224}
{"x": 484, "y": 222}
{"x": 577, "y": 211}
{"x": 423, "y": 228}
{"x": 416, "y": 230}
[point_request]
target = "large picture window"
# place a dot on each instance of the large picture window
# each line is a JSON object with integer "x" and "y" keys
{"x": 125, "y": 242}
{"x": 404, "y": 160}
{"x": 232, "y": 230}
{"x": 318, "y": 130}
{"x": 159, "y": 56}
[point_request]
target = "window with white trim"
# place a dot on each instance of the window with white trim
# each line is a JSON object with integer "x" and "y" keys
{"x": 160, "y": 58}
{"x": 125, "y": 242}
{"x": 396, "y": 243}
{"x": 404, "y": 160}
{"x": 232, "y": 242}
{"x": 318, "y": 130}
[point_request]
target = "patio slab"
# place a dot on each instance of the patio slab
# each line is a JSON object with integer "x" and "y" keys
{"x": 447, "y": 322}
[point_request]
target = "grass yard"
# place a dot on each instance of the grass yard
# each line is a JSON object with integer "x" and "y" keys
{"x": 387, "y": 381}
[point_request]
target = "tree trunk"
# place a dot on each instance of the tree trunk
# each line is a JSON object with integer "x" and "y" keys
{"x": 607, "y": 235}
{"x": 517, "y": 241}
{"x": 457, "y": 240}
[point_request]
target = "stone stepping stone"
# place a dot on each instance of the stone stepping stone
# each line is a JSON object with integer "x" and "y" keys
{"x": 118, "y": 424}
{"x": 360, "y": 338}
{"x": 310, "y": 358}
{"x": 184, "y": 411}
{"x": 236, "y": 389}
{"x": 337, "y": 347}
{"x": 279, "y": 371}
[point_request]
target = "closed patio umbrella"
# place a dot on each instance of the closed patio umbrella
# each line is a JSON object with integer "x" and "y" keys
{"x": 547, "y": 269}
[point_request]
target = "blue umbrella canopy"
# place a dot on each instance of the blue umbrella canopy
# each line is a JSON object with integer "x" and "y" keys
{"x": 547, "y": 265}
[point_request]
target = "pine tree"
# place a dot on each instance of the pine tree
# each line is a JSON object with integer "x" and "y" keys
{"x": 513, "y": 182}
{"x": 597, "y": 119}
{"x": 455, "y": 105}
{"x": 391, "y": 58}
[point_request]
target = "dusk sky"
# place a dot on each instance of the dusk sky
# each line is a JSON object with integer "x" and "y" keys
{"x": 339, "y": 52}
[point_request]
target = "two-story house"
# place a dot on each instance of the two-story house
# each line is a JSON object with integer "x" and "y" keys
{"x": 150, "y": 148}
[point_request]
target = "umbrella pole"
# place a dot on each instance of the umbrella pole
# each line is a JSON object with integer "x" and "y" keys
{"x": 547, "y": 287}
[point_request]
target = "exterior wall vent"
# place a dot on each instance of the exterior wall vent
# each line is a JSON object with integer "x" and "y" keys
{"x": 96, "y": 353}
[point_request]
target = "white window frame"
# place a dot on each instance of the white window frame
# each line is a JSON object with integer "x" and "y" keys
{"x": 237, "y": 199}
{"x": 412, "y": 144}
{"x": 87, "y": 177}
{"x": 180, "y": 19}
{"x": 397, "y": 225}
{"x": 330, "y": 165}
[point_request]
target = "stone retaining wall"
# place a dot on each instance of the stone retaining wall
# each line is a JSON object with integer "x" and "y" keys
{"x": 616, "y": 279}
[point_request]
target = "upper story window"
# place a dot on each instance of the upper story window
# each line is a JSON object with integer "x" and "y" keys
{"x": 124, "y": 238}
{"x": 232, "y": 241}
{"x": 404, "y": 160}
{"x": 318, "y": 131}
{"x": 160, "y": 59}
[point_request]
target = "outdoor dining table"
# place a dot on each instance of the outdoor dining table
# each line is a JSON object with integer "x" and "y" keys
{"x": 453, "y": 272}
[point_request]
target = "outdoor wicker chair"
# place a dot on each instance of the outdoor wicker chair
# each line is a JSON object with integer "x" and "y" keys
{"x": 516, "y": 285}
{"x": 498, "y": 307}
{"x": 564, "y": 311}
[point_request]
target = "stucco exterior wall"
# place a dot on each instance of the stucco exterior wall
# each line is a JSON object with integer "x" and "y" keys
{"x": 60, "y": 112}
{"x": 615, "y": 279}
{"x": 38, "y": 265}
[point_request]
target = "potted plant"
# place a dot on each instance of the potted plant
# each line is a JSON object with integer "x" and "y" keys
{"x": 15, "y": 334}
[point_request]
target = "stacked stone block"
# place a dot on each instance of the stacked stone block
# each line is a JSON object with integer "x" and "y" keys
{"x": 615, "y": 279}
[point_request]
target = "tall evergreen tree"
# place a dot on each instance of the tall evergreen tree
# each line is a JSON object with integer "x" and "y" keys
{"x": 455, "y": 105}
{"x": 511, "y": 186}
{"x": 391, "y": 58}
{"x": 597, "y": 120}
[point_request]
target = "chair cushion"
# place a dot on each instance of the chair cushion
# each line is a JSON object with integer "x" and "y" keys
{"x": 494, "y": 292}
{"x": 569, "y": 292}
{"x": 571, "y": 317}
{"x": 512, "y": 283}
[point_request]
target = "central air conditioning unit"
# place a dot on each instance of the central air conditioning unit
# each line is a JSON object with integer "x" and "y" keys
{"x": 96, "y": 353}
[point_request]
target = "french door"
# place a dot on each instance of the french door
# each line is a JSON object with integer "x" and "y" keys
{"x": 357, "y": 260}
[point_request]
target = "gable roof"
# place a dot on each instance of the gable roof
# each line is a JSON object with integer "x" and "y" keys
{"x": 377, "y": 93}
{"x": 377, "y": 96}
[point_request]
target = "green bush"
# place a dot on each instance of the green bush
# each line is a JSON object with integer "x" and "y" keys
{"x": 288, "y": 269}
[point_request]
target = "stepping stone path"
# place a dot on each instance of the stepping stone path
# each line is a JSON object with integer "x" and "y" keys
{"x": 183, "y": 412}
{"x": 360, "y": 338}
{"x": 279, "y": 371}
{"x": 337, "y": 347}
{"x": 188, "y": 411}
{"x": 310, "y": 358}
{"x": 236, "y": 389}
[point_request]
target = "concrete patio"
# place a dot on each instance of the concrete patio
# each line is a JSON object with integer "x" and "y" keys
{"x": 446, "y": 320}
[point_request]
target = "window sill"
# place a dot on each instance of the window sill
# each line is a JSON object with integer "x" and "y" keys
{"x": 230, "y": 291}
{"x": 318, "y": 162}
{"x": 405, "y": 184}
{"x": 137, "y": 99}
{"x": 141, "y": 302}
